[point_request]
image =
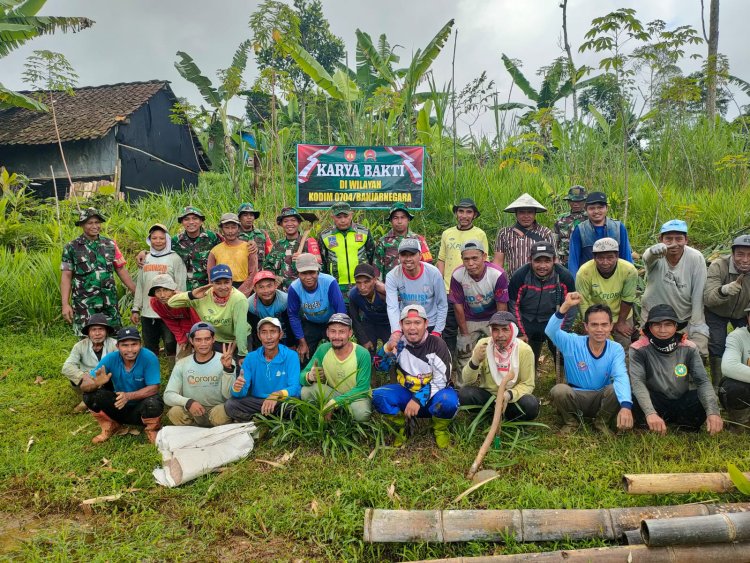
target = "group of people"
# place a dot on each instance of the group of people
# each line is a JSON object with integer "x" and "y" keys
{"x": 248, "y": 323}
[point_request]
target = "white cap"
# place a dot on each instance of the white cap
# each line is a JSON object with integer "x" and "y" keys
{"x": 606, "y": 245}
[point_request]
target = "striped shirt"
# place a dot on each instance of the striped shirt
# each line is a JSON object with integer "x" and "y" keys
{"x": 516, "y": 246}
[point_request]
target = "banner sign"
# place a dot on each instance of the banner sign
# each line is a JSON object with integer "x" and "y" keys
{"x": 364, "y": 177}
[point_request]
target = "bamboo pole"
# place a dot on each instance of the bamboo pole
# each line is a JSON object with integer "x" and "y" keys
{"x": 697, "y": 530}
{"x": 448, "y": 526}
{"x": 497, "y": 417}
{"x": 735, "y": 552}
{"x": 673, "y": 483}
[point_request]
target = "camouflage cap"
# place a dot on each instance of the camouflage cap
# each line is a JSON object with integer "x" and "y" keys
{"x": 190, "y": 210}
{"x": 248, "y": 208}
{"x": 399, "y": 206}
{"x": 576, "y": 193}
{"x": 289, "y": 212}
{"x": 88, "y": 213}
{"x": 340, "y": 208}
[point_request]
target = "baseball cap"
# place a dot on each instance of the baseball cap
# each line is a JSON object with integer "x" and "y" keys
{"x": 674, "y": 226}
{"x": 596, "y": 197}
{"x": 576, "y": 193}
{"x": 542, "y": 248}
{"x": 664, "y": 312}
{"x": 202, "y": 325}
{"x": 410, "y": 245}
{"x": 340, "y": 208}
{"x": 97, "y": 319}
{"x": 341, "y": 318}
{"x": 270, "y": 320}
{"x": 502, "y": 318}
{"x": 157, "y": 227}
{"x": 307, "y": 262}
{"x": 467, "y": 202}
{"x": 229, "y": 218}
{"x": 399, "y": 206}
{"x": 742, "y": 240}
{"x": 248, "y": 208}
{"x": 263, "y": 275}
{"x": 472, "y": 245}
{"x": 162, "y": 280}
{"x": 88, "y": 213}
{"x": 606, "y": 245}
{"x": 367, "y": 270}
{"x": 128, "y": 333}
{"x": 418, "y": 309}
{"x": 220, "y": 272}
{"x": 190, "y": 210}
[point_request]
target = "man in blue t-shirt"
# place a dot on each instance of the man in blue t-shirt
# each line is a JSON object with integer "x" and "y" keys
{"x": 598, "y": 386}
{"x": 124, "y": 388}
{"x": 313, "y": 298}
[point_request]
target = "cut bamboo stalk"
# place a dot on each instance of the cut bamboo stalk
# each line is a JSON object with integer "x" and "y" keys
{"x": 675, "y": 483}
{"x": 697, "y": 530}
{"x": 448, "y": 526}
{"x": 735, "y": 552}
{"x": 497, "y": 418}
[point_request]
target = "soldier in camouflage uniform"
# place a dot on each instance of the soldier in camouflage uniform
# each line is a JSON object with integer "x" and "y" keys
{"x": 568, "y": 221}
{"x": 250, "y": 233}
{"x": 193, "y": 245}
{"x": 280, "y": 260}
{"x": 386, "y": 250}
{"x": 89, "y": 264}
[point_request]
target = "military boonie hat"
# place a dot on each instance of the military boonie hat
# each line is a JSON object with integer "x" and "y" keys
{"x": 409, "y": 244}
{"x": 190, "y": 210}
{"x": 742, "y": 240}
{"x": 674, "y": 226}
{"x": 289, "y": 212}
{"x": 399, "y": 206}
{"x": 466, "y": 203}
{"x": 418, "y": 311}
{"x": 229, "y": 218}
{"x": 341, "y": 318}
{"x": 88, "y": 213}
{"x": 162, "y": 280}
{"x": 341, "y": 208}
{"x": 307, "y": 262}
{"x": 606, "y": 245}
{"x": 502, "y": 318}
{"x": 596, "y": 197}
{"x": 472, "y": 245}
{"x": 543, "y": 248}
{"x": 128, "y": 333}
{"x": 97, "y": 319}
{"x": 576, "y": 193}
{"x": 525, "y": 202}
{"x": 248, "y": 208}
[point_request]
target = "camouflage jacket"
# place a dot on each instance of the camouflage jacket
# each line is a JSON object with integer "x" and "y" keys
{"x": 564, "y": 226}
{"x": 194, "y": 252}
{"x": 262, "y": 241}
{"x": 279, "y": 259}
{"x": 93, "y": 290}
{"x": 386, "y": 251}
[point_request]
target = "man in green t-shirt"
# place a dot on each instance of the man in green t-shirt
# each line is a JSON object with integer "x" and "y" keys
{"x": 339, "y": 372}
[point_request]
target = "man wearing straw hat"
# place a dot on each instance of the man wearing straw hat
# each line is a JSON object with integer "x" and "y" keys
{"x": 513, "y": 244}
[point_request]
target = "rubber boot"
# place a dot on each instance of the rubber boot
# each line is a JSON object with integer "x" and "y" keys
{"x": 440, "y": 429}
{"x": 715, "y": 364}
{"x": 740, "y": 418}
{"x": 152, "y": 426}
{"x": 399, "y": 423}
{"x": 109, "y": 427}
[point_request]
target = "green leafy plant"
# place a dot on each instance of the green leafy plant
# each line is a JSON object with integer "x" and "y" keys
{"x": 738, "y": 478}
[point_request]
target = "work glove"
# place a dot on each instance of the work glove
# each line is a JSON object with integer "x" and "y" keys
{"x": 731, "y": 289}
{"x": 464, "y": 342}
{"x": 659, "y": 250}
{"x": 479, "y": 354}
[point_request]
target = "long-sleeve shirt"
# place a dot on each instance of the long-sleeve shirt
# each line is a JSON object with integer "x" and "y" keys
{"x": 723, "y": 271}
{"x": 424, "y": 369}
{"x": 613, "y": 291}
{"x": 314, "y": 306}
{"x": 82, "y": 359}
{"x": 680, "y": 286}
{"x": 483, "y": 377}
{"x": 229, "y": 320}
{"x": 671, "y": 374}
{"x": 534, "y": 300}
{"x": 587, "y": 372}
{"x": 178, "y": 321}
{"x": 734, "y": 362}
{"x": 203, "y": 382}
{"x": 579, "y": 256}
{"x": 144, "y": 372}
{"x": 364, "y": 311}
{"x": 154, "y": 266}
{"x": 263, "y": 377}
{"x": 350, "y": 376}
{"x": 426, "y": 289}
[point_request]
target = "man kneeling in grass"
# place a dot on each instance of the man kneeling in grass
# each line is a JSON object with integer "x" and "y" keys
{"x": 339, "y": 371}
{"x": 491, "y": 361}
{"x": 423, "y": 372}
{"x": 124, "y": 388}
{"x": 669, "y": 381}
{"x": 268, "y": 377}
{"x": 199, "y": 384}
{"x": 592, "y": 363}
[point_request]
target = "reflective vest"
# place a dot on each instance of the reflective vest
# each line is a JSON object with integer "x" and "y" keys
{"x": 343, "y": 252}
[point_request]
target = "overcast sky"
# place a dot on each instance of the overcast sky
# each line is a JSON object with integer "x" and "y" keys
{"x": 137, "y": 39}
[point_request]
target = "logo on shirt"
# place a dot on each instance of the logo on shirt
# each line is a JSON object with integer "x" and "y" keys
{"x": 582, "y": 366}
{"x": 359, "y": 237}
{"x": 680, "y": 370}
{"x": 332, "y": 242}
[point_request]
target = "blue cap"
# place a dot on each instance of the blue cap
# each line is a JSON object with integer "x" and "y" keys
{"x": 674, "y": 226}
{"x": 202, "y": 325}
{"x": 220, "y": 272}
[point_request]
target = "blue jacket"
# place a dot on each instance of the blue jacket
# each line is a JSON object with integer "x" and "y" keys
{"x": 263, "y": 377}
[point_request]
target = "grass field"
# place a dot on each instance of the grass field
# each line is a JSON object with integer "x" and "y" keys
{"x": 313, "y": 507}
